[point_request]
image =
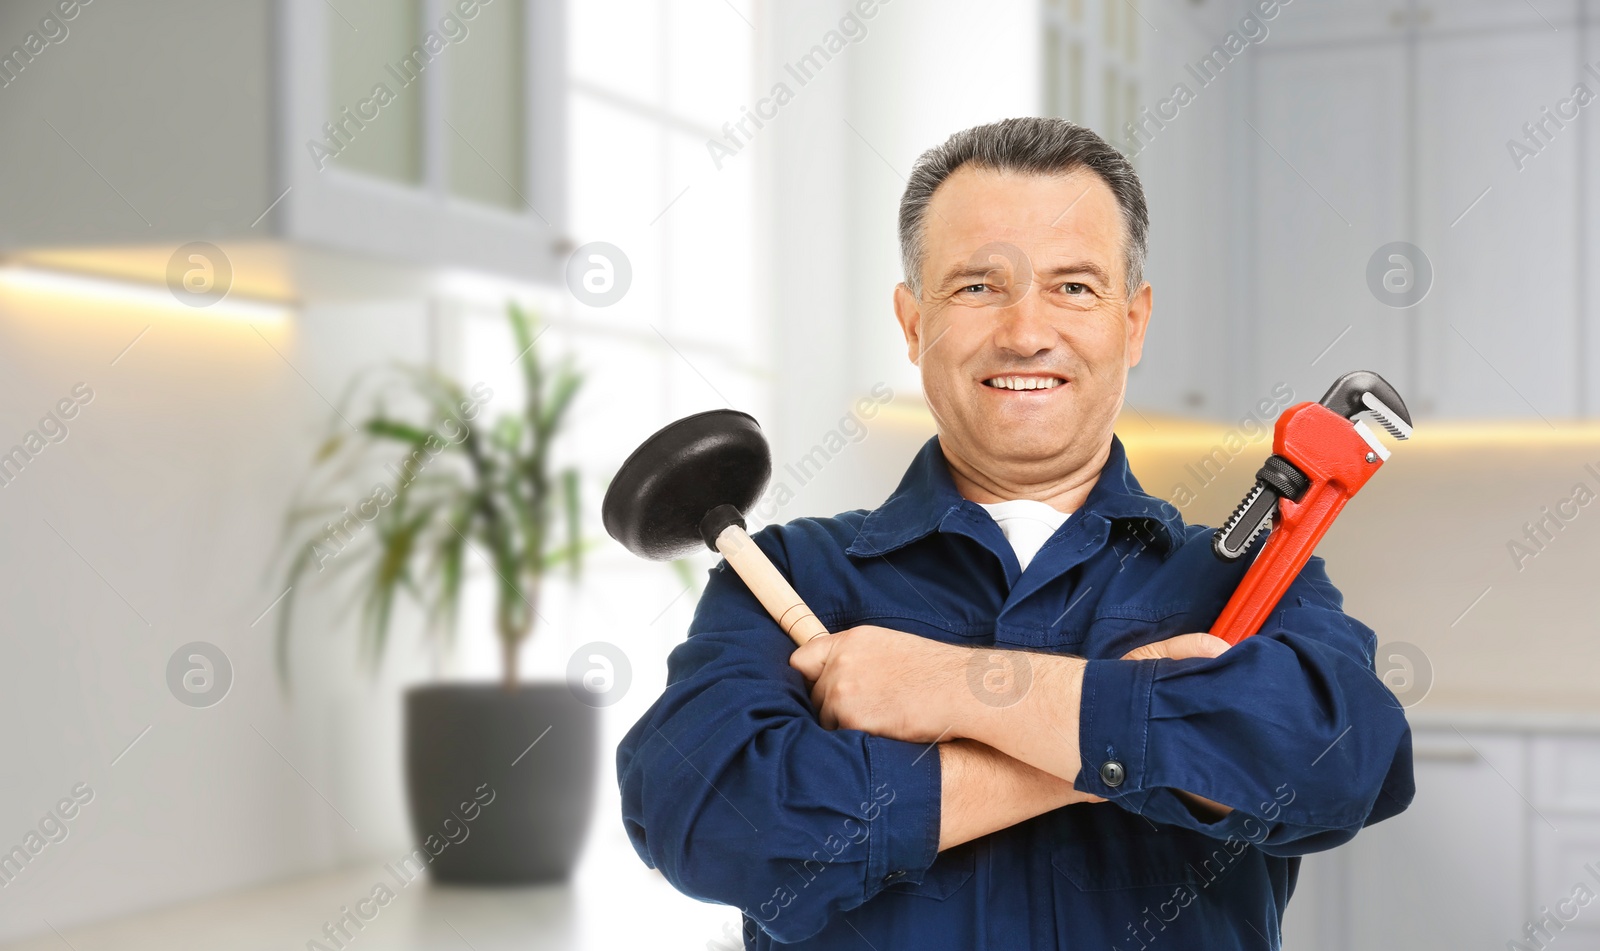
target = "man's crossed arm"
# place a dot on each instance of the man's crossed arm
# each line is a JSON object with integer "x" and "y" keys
{"x": 1006, "y": 753}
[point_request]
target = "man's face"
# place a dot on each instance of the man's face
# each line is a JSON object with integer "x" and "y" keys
{"x": 1023, "y": 283}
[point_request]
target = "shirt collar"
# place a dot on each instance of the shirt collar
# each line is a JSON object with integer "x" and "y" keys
{"x": 927, "y": 494}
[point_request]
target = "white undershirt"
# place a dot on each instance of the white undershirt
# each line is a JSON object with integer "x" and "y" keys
{"x": 1026, "y": 523}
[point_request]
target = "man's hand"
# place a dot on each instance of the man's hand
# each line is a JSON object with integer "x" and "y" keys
{"x": 884, "y": 682}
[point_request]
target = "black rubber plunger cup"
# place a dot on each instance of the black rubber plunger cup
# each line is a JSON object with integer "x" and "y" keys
{"x": 689, "y": 484}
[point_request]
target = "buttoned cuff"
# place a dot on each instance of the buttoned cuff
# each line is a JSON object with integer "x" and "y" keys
{"x": 901, "y": 810}
{"x": 1114, "y": 726}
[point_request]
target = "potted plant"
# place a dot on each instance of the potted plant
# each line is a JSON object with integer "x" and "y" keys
{"x": 455, "y": 490}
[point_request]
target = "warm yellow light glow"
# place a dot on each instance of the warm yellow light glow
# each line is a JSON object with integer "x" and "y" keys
{"x": 91, "y": 288}
{"x": 1150, "y": 431}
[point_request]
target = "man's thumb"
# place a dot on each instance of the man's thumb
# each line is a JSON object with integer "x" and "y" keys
{"x": 1182, "y": 646}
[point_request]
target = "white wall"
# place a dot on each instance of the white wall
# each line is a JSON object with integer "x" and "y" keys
{"x": 170, "y": 485}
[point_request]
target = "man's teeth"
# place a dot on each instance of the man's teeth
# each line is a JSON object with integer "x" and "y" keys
{"x": 1025, "y": 382}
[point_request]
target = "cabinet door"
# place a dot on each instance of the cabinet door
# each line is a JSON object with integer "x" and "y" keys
{"x": 1328, "y": 161}
{"x": 1449, "y": 872}
{"x": 1566, "y": 836}
{"x": 1499, "y": 328}
{"x": 1341, "y": 22}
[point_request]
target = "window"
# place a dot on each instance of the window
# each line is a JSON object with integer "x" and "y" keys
{"x": 647, "y": 91}
{"x": 1091, "y": 65}
{"x": 360, "y": 59}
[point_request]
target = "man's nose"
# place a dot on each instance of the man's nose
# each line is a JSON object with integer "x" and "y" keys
{"x": 1022, "y": 325}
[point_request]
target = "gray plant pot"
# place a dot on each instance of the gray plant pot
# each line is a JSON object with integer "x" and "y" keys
{"x": 485, "y": 808}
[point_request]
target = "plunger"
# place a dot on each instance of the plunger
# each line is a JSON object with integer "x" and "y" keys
{"x": 690, "y": 483}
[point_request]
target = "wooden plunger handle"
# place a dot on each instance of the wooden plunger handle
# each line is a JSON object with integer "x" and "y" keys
{"x": 769, "y": 585}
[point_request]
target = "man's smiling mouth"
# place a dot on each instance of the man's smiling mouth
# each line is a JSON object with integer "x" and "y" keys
{"x": 1026, "y": 382}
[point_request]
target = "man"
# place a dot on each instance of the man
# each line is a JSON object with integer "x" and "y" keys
{"x": 1016, "y": 738}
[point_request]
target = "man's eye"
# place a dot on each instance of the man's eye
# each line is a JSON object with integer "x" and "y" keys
{"x": 974, "y": 288}
{"x": 1074, "y": 288}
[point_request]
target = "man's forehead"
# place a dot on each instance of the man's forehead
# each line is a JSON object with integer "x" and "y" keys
{"x": 1074, "y": 212}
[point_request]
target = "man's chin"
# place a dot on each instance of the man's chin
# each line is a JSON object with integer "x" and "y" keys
{"x": 1007, "y": 444}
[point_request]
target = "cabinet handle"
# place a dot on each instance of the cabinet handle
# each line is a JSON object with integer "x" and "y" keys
{"x": 1445, "y": 753}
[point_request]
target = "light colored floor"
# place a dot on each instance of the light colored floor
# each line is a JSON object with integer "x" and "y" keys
{"x": 612, "y": 902}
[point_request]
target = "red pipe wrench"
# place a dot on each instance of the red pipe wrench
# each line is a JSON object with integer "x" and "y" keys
{"x": 1322, "y": 454}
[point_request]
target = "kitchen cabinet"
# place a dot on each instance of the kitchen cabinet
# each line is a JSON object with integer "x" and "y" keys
{"x": 1505, "y": 825}
{"x": 1447, "y": 873}
{"x": 472, "y": 198}
{"x": 284, "y": 133}
{"x": 1329, "y": 133}
{"x": 1499, "y": 329}
{"x": 1566, "y": 848}
{"x": 1392, "y": 122}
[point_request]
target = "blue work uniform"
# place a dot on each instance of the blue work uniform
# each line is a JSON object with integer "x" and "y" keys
{"x": 829, "y": 838}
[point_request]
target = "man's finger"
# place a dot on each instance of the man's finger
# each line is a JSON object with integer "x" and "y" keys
{"x": 1180, "y": 647}
{"x": 810, "y": 657}
{"x": 825, "y": 715}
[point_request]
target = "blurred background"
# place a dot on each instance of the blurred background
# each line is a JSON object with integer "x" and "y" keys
{"x": 218, "y": 219}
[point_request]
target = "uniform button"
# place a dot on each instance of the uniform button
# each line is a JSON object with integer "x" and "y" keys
{"x": 1112, "y": 773}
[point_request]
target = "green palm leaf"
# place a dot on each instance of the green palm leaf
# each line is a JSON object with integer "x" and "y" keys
{"x": 463, "y": 494}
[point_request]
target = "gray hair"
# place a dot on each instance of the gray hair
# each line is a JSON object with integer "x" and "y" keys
{"x": 1034, "y": 144}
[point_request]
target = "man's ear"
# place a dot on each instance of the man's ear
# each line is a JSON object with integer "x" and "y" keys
{"x": 908, "y": 310}
{"x": 1138, "y": 320}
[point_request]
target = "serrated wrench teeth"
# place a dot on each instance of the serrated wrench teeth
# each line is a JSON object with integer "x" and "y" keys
{"x": 1234, "y": 539}
{"x": 1386, "y": 417}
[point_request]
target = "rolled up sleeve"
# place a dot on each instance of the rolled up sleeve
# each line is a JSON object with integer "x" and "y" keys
{"x": 1291, "y": 728}
{"x": 735, "y": 792}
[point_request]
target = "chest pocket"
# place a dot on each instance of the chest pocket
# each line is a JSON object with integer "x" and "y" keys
{"x": 1118, "y": 629}
{"x": 948, "y": 874}
{"x": 1102, "y": 846}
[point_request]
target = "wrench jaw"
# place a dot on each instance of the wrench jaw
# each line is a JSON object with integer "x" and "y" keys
{"x": 1362, "y": 392}
{"x": 1371, "y": 439}
{"x": 1397, "y": 423}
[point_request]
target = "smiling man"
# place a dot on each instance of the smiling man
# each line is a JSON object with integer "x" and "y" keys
{"x": 1017, "y": 738}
